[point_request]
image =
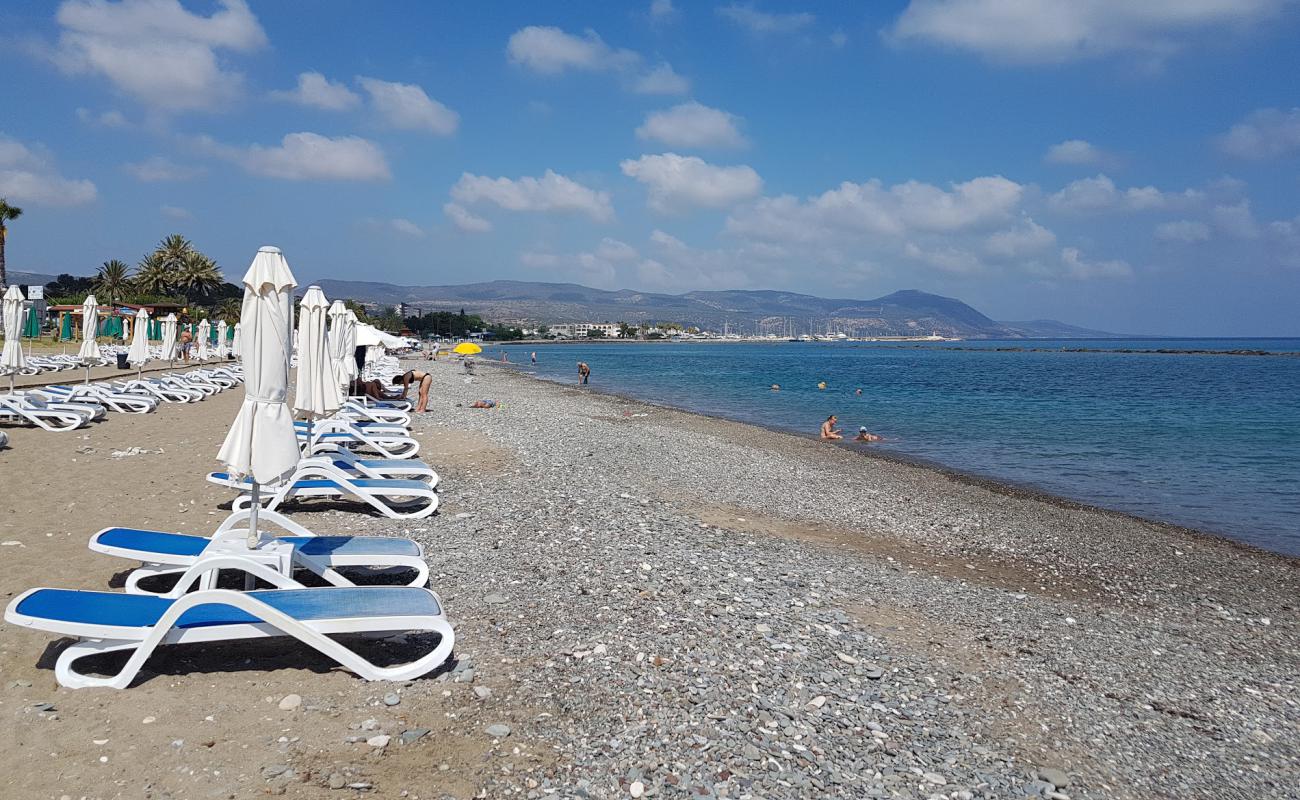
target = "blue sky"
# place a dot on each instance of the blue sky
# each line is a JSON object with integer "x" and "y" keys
{"x": 1128, "y": 166}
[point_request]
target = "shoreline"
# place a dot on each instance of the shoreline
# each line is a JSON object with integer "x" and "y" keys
{"x": 987, "y": 482}
{"x": 647, "y": 595}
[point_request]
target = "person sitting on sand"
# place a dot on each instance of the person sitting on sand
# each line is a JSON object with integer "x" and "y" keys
{"x": 863, "y": 436}
{"x": 829, "y": 431}
{"x": 422, "y": 379}
{"x": 372, "y": 389}
{"x": 584, "y": 373}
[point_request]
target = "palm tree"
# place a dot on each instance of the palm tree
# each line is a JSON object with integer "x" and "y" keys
{"x": 7, "y": 213}
{"x": 153, "y": 276}
{"x": 198, "y": 273}
{"x": 229, "y": 310}
{"x": 112, "y": 281}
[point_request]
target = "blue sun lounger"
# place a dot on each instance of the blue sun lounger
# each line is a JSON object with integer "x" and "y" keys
{"x": 105, "y": 622}
{"x": 165, "y": 553}
{"x": 394, "y": 498}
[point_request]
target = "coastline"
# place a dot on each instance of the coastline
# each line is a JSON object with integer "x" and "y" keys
{"x": 704, "y": 607}
{"x": 990, "y": 483}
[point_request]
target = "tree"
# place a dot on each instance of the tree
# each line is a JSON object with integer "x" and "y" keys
{"x": 7, "y": 214}
{"x": 175, "y": 266}
{"x": 229, "y": 310}
{"x": 112, "y": 280}
{"x": 595, "y": 333}
{"x": 626, "y": 331}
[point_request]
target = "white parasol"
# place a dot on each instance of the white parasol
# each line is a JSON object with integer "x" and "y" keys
{"x": 262, "y": 443}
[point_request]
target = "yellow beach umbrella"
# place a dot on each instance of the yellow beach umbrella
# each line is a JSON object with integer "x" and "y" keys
{"x": 467, "y": 349}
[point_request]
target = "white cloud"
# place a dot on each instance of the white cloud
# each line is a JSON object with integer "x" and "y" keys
{"x": 175, "y": 212}
{"x": 1267, "y": 133}
{"x": 762, "y": 22}
{"x": 945, "y": 258}
{"x": 405, "y": 106}
{"x": 838, "y": 39}
{"x": 676, "y": 182}
{"x": 871, "y": 208}
{"x": 550, "y": 193}
{"x": 661, "y": 80}
{"x": 104, "y": 119}
{"x": 1100, "y": 194}
{"x": 405, "y": 226}
{"x": 28, "y": 175}
{"x": 1235, "y": 220}
{"x": 306, "y": 156}
{"x": 1074, "y": 265}
{"x": 160, "y": 168}
{"x": 662, "y": 11}
{"x": 1184, "y": 230}
{"x": 314, "y": 90}
{"x": 1075, "y": 151}
{"x": 692, "y": 125}
{"x": 1025, "y": 239}
{"x": 1054, "y": 31}
{"x": 615, "y": 250}
{"x": 551, "y": 51}
{"x": 157, "y": 52}
{"x": 464, "y": 220}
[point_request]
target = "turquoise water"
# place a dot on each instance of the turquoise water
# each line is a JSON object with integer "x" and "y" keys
{"x": 1207, "y": 441}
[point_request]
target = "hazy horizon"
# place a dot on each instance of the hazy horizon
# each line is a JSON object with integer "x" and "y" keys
{"x": 1126, "y": 171}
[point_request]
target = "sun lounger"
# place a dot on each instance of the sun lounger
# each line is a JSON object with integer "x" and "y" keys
{"x": 350, "y": 462}
{"x": 49, "y": 416}
{"x": 395, "y": 499}
{"x": 105, "y": 622}
{"x": 4, "y": 439}
{"x": 392, "y": 442}
{"x": 163, "y": 553}
{"x": 359, "y": 412}
{"x": 165, "y": 391}
{"x": 120, "y": 402}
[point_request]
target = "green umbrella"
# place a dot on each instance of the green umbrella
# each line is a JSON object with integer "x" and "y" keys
{"x": 32, "y": 329}
{"x": 65, "y": 332}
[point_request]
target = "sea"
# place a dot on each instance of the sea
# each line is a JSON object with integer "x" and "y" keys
{"x": 1207, "y": 441}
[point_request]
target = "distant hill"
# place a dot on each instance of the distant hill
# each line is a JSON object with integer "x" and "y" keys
{"x": 1051, "y": 329}
{"x": 17, "y": 278}
{"x": 907, "y": 312}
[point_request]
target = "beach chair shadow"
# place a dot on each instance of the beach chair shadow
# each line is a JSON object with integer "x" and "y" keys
{"x": 253, "y": 655}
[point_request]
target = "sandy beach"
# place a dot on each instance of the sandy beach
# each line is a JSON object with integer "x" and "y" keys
{"x": 655, "y": 603}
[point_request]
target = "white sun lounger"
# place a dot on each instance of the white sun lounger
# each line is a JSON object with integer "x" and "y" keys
{"x": 395, "y": 499}
{"x": 105, "y": 622}
{"x": 330, "y": 434}
{"x": 120, "y": 402}
{"x": 165, "y": 391}
{"x": 350, "y": 462}
{"x": 359, "y": 412}
{"x": 163, "y": 553}
{"x": 50, "y": 416}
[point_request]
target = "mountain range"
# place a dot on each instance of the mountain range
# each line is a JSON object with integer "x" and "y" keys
{"x": 903, "y": 313}
{"x": 909, "y": 312}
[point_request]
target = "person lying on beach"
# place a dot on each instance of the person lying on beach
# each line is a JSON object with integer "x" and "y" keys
{"x": 863, "y": 436}
{"x": 829, "y": 431}
{"x": 483, "y": 404}
{"x": 372, "y": 389}
{"x": 422, "y": 379}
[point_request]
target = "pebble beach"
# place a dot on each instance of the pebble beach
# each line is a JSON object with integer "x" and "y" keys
{"x": 650, "y": 603}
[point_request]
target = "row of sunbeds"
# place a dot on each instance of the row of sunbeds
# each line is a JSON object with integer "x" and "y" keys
{"x": 342, "y": 459}
{"x": 67, "y": 407}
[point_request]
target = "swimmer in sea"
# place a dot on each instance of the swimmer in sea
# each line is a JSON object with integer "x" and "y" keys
{"x": 863, "y": 436}
{"x": 829, "y": 431}
{"x": 821, "y": 385}
{"x": 776, "y": 387}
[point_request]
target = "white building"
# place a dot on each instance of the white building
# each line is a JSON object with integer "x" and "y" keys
{"x": 580, "y": 330}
